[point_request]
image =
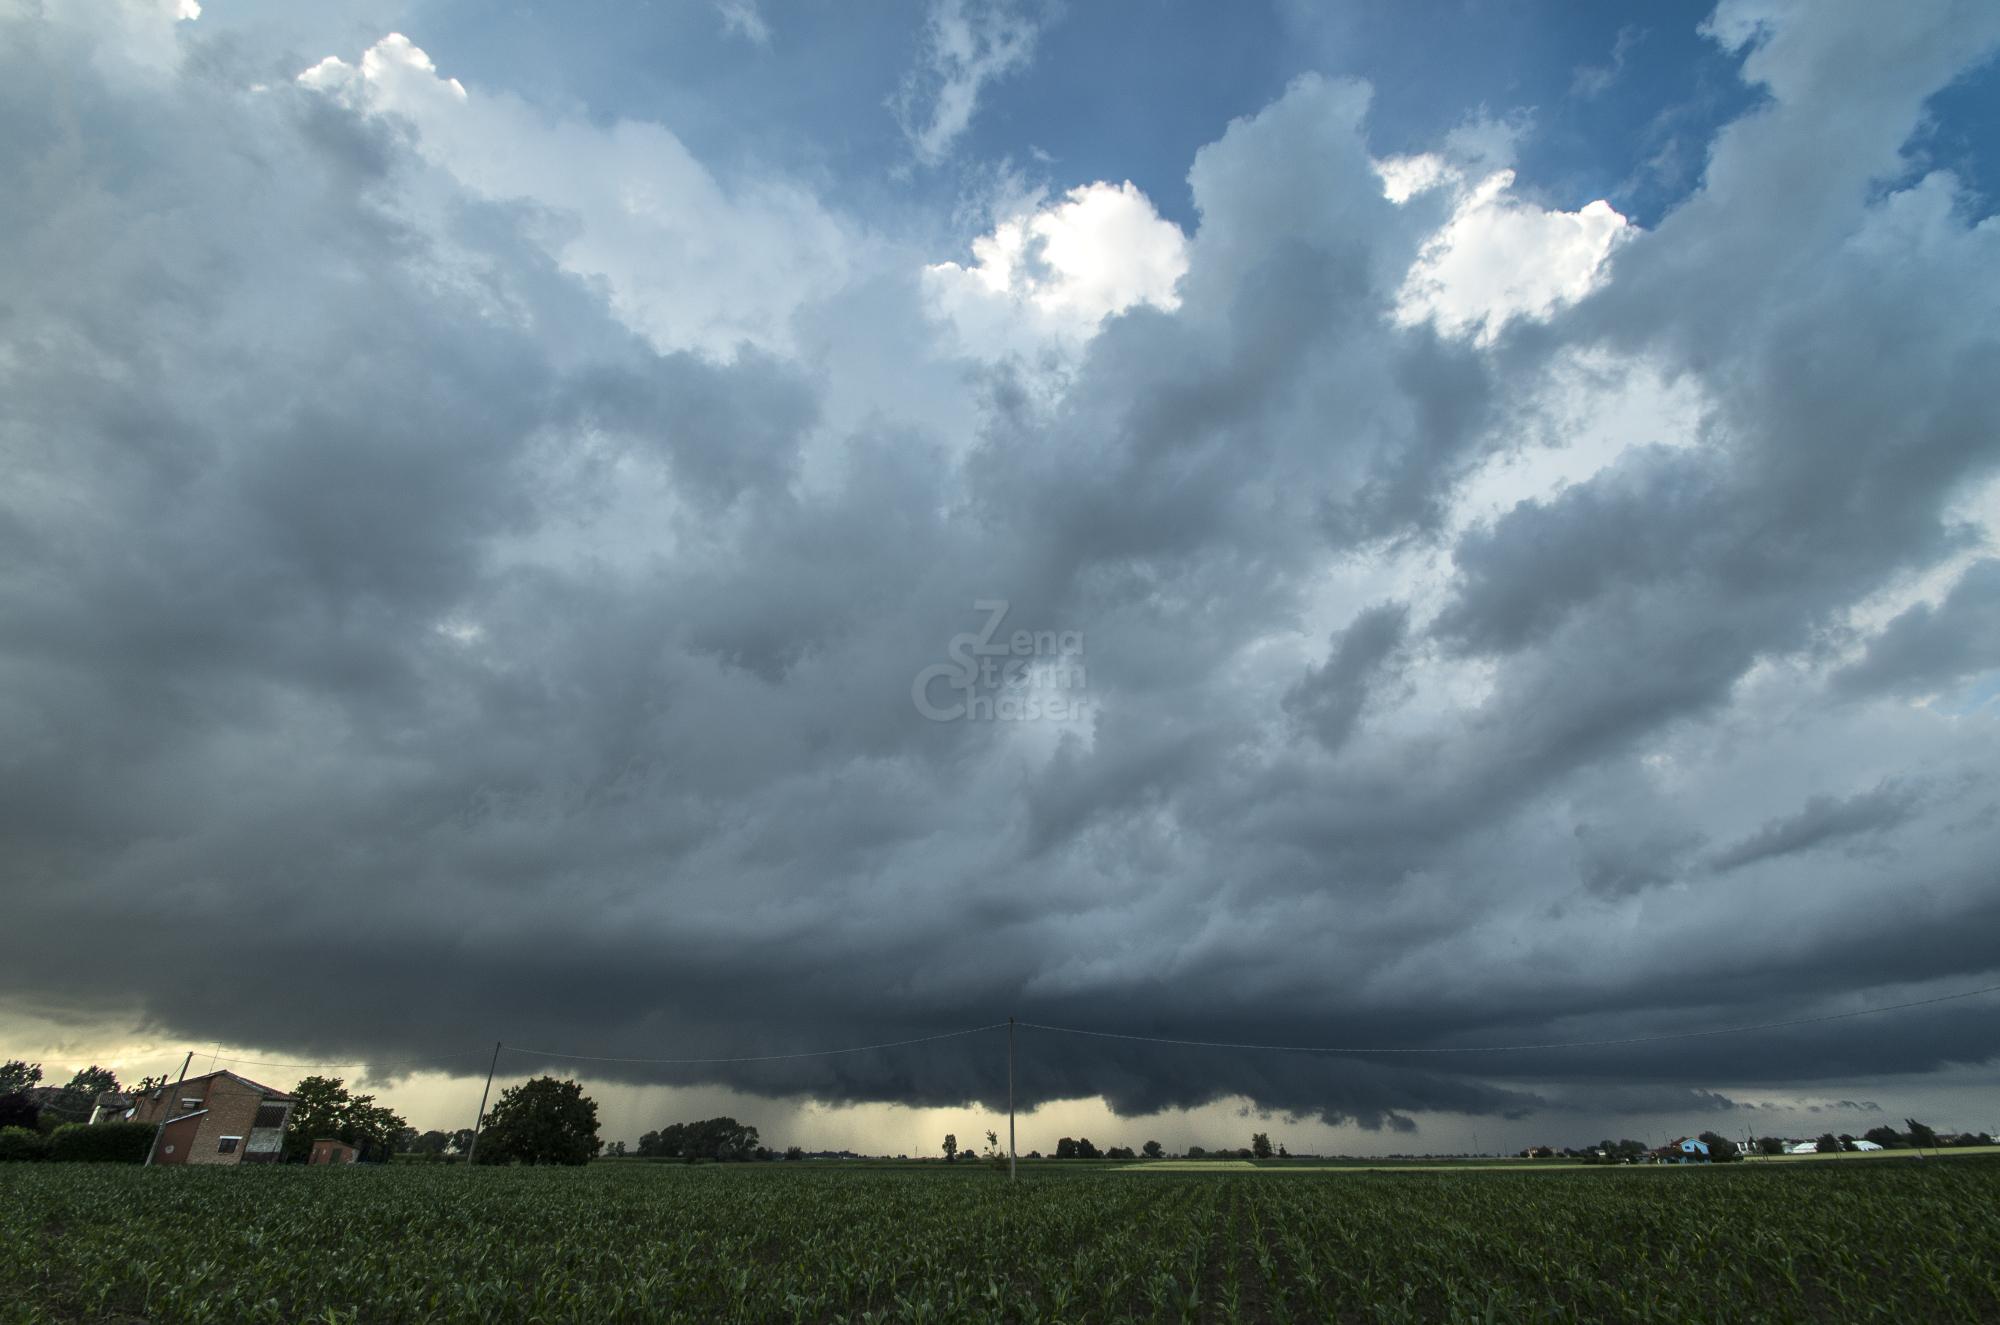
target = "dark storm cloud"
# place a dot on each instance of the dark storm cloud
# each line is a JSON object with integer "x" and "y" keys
{"x": 398, "y": 651}
{"x": 1927, "y": 647}
{"x": 1821, "y": 820}
{"x": 1328, "y": 700}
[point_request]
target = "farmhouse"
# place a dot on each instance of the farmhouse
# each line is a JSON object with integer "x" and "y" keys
{"x": 1687, "y": 1150}
{"x": 219, "y": 1118}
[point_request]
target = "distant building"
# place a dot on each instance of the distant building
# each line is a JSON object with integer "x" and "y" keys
{"x": 112, "y": 1107}
{"x": 332, "y": 1150}
{"x": 219, "y": 1118}
{"x": 1687, "y": 1150}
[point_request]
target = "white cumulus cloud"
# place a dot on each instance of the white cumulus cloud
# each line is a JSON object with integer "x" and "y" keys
{"x": 1499, "y": 257}
{"x": 1056, "y": 272}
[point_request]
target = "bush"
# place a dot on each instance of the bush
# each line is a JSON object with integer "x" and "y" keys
{"x": 106, "y": 1143}
{"x": 21, "y": 1143}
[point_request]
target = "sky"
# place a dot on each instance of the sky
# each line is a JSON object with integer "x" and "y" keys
{"x": 1455, "y": 532}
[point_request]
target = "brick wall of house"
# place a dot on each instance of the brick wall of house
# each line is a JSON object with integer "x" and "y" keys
{"x": 232, "y": 1106}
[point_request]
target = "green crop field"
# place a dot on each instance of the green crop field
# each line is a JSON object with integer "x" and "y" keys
{"x": 1915, "y": 1241}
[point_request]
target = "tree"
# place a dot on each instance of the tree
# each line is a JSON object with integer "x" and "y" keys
{"x": 322, "y": 1107}
{"x": 1828, "y": 1144}
{"x": 1721, "y": 1150}
{"x": 713, "y": 1138}
{"x": 543, "y": 1121}
{"x": 1770, "y": 1145}
{"x": 1066, "y": 1148}
{"x": 93, "y": 1081}
{"x": 17, "y": 1075}
{"x": 795, "y": 1153}
{"x": 1922, "y": 1137}
{"x": 17, "y": 1110}
{"x": 1120, "y": 1152}
{"x": 1260, "y": 1145}
{"x": 1151, "y": 1150}
{"x": 1886, "y": 1137}
{"x": 1085, "y": 1150}
{"x": 1196, "y": 1152}
{"x": 950, "y": 1147}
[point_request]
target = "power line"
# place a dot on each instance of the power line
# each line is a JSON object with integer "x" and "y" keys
{"x": 1515, "y": 1048}
{"x": 761, "y": 1058}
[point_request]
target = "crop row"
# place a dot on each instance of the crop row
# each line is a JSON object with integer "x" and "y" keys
{"x": 786, "y": 1243}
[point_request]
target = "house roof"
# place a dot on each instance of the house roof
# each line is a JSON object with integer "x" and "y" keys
{"x": 269, "y": 1092}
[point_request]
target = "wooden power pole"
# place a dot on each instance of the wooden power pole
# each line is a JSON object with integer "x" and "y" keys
{"x": 166, "y": 1107}
{"x": 1010, "y": 1099}
{"x": 472, "y": 1151}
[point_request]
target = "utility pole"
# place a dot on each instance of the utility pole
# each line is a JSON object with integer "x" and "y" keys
{"x": 166, "y": 1106}
{"x": 472, "y": 1151}
{"x": 1010, "y": 1099}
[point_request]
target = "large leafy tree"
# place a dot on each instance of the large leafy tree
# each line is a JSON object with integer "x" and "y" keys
{"x": 544, "y": 1121}
{"x": 16, "y": 1109}
{"x": 1720, "y": 1148}
{"x": 712, "y": 1138}
{"x": 323, "y": 1107}
{"x": 17, "y": 1075}
{"x": 93, "y": 1081}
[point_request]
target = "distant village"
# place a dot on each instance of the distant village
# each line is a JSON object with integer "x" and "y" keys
{"x": 221, "y": 1117}
{"x": 1713, "y": 1148}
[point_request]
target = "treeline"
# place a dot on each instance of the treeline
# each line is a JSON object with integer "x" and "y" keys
{"x": 106, "y": 1143}
{"x": 1916, "y": 1136}
{"x": 39, "y": 1122}
{"x": 1722, "y": 1150}
{"x": 723, "y": 1140}
{"x": 1260, "y": 1147}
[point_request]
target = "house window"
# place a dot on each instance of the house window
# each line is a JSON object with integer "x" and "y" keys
{"x": 190, "y": 1103}
{"x": 227, "y": 1145}
{"x": 270, "y": 1115}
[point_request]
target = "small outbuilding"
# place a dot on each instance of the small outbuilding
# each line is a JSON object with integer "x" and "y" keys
{"x": 331, "y": 1150}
